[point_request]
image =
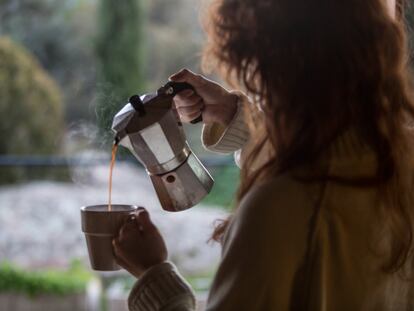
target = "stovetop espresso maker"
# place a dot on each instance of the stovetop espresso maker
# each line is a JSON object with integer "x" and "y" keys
{"x": 151, "y": 129}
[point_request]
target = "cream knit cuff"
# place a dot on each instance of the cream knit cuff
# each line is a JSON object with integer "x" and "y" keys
{"x": 228, "y": 139}
{"x": 161, "y": 288}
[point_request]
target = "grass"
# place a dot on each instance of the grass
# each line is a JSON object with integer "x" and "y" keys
{"x": 49, "y": 282}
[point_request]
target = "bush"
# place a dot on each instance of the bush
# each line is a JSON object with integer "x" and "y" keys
{"x": 59, "y": 34}
{"x": 31, "y": 110}
{"x": 51, "y": 282}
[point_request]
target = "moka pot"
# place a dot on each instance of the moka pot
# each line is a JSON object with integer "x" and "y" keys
{"x": 152, "y": 131}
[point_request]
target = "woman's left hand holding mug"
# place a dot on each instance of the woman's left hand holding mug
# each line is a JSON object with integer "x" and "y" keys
{"x": 139, "y": 245}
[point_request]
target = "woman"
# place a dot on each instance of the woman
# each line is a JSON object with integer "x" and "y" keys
{"x": 324, "y": 219}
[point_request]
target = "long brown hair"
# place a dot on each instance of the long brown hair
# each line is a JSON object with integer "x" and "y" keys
{"x": 318, "y": 68}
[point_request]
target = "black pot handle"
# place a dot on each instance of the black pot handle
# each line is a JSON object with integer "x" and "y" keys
{"x": 173, "y": 88}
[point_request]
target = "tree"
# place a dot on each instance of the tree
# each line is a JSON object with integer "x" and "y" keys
{"x": 120, "y": 51}
{"x": 31, "y": 110}
{"x": 58, "y": 34}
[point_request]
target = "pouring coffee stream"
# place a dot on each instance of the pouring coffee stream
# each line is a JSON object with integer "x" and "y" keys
{"x": 151, "y": 129}
{"x": 111, "y": 170}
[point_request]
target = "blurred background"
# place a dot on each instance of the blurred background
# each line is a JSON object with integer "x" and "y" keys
{"x": 66, "y": 67}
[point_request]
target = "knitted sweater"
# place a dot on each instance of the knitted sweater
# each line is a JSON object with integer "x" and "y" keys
{"x": 293, "y": 244}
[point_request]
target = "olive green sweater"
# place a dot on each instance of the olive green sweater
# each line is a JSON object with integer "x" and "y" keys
{"x": 293, "y": 244}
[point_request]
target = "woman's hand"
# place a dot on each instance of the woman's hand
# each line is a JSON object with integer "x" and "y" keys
{"x": 214, "y": 102}
{"x": 139, "y": 245}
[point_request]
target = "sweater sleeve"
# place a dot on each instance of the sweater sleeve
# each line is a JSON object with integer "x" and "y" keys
{"x": 226, "y": 140}
{"x": 162, "y": 288}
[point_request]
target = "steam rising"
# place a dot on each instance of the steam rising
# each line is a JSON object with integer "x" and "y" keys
{"x": 87, "y": 150}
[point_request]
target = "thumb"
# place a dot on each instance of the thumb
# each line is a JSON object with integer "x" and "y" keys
{"x": 188, "y": 76}
{"x": 144, "y": 220}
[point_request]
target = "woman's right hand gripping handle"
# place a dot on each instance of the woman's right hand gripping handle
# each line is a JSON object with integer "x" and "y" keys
{"x": 209, "y": 99}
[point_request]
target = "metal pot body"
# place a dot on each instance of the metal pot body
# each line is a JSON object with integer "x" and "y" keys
{"x": 183, "y": 187}
{"x": 160, "y": 147}
{"x": 179, "y": 178}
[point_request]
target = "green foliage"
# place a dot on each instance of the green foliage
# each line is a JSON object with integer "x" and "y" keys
{"x": 31, "y": 112}
{"x": 200, "y": 283}
{"x": 226, "y": 181}
{"x": 59, "y": 34}
{"x": 51, "y": 282}
{"x": 120, "y": 54}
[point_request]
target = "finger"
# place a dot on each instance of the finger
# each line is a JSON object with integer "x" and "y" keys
{"x": 118, "y": 255}
{"x": 116, "y": 247}
{"x": 144, "y": 219}
{"x": 120, "y": 261}
{"x": 188, "y": 112}
{"x": 188, "y": 76}
{"x": 129, "y": 227}
{"x": 182, "y": 101}
{"x": 186, "y": 104}
{"x": 190, "y": 116}
{"x": 137, "y": 220}
{"x": 185, "y": 93}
